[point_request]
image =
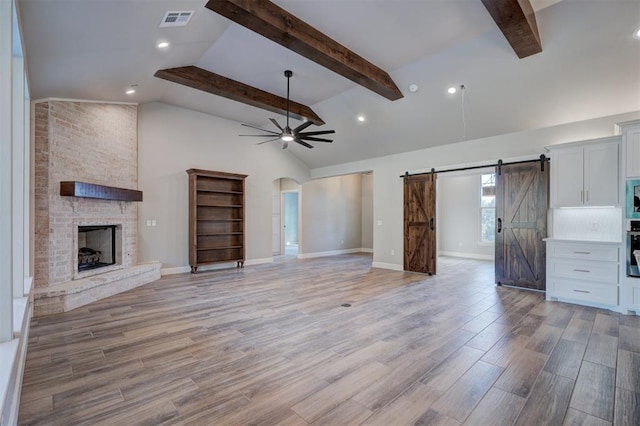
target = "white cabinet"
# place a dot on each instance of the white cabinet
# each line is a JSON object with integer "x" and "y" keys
{"x": 585, "y": 173}
{"x": 631, "y": 147}
{"x": 630, "y": 295}
{"x": 583, "y": 272}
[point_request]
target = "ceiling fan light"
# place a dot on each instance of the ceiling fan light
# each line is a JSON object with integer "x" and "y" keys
{"x": 287, "y": 138}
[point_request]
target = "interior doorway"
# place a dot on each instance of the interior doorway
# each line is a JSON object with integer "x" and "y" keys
{"x": 290, "y": 218}
{"x": 285, "y": 216}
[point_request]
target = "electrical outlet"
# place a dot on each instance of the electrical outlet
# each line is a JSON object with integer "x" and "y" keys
{"x": 342, "y": 242}
{"x": 393, "y": 252}
{"x": 379, "y": 223}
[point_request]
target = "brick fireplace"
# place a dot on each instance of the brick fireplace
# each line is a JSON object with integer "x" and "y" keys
{"x": 95, "y": 143}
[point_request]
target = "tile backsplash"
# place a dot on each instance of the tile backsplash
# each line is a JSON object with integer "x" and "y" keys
{"x": 593, "y": 224}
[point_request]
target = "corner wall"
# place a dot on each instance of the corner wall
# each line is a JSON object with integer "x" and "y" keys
{"x": 331, "y": 215}
{"x": 172, "y": 140}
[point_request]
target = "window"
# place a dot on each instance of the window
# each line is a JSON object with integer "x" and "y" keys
{"x": 487, "y": 208}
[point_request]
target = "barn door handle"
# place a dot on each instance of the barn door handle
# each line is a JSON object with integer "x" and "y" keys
{"x": 499, "y": 225}
{"x": 431, "y": 224}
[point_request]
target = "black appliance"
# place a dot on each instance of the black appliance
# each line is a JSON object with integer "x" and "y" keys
{"x": 633, "y": 249}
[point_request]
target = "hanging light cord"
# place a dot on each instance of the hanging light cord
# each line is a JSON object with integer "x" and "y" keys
{"x": 464, "y": 121}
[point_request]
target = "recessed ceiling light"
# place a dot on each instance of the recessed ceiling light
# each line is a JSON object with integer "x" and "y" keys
{"x": 413, "y": 88}
{"x": 452, "y": 90}
{"x": 163, "y": 45}
{"x": 636, "y": 33}
{"x": 362, "y": 118}
{"x": 130, "y": 91}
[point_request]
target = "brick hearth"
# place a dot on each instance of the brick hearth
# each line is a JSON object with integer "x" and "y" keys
{"x": 94, "y": 143}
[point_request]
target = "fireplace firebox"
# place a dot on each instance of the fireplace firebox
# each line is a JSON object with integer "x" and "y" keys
{"x": 96, "y": 246}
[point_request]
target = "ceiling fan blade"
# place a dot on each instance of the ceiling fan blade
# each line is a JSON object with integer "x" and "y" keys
{"x": 309, "y": 138}
{"x": 319, "y": 132}
{"x": 270, "y": 140}
{"x": 302, "y": 126}
{"x": 303, "y": 143}
{"x": 258, "y": 128}
{"x": 260, "y": 136}
{"x": 273, "y": 120}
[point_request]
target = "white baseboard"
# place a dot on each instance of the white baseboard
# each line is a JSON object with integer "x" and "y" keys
{"x": 262, "y": 261}
{"x": 176, "y": 270}
{"x": 392, "y": 266}
{"x": 213, "y": 267}
{"x": 466, "y": 255}
{"x": 366, "y": 250}
{"x": 330, "y": 253}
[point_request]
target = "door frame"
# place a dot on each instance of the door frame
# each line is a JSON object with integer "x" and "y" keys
{"x": 282, "y": 218}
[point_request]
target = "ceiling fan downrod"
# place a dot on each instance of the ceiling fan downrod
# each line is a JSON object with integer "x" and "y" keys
{"x": 287, "y": 134}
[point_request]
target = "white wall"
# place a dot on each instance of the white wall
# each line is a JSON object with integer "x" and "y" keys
{"x": 172, "y": 140}
{"x": 275, "y": 217}
{"x": 459, "y": 217}
{"x": 387, "y": 194}
{"x": 331, "y": 214}
{"x": 367, "y": 211}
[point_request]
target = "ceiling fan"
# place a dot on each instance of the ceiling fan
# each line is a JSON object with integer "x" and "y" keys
{"x": 286, "y": 134}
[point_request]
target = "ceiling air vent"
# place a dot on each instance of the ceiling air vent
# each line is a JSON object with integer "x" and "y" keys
{"x": 176, "y": 19}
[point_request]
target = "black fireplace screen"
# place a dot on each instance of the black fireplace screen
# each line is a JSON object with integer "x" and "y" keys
{"x": 96, "y": 246}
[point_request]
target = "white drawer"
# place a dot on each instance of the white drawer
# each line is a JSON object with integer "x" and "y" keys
{"x": 606, "y": 294}
{"x": 606, "y": 272}
{"x": 583, "y": 251}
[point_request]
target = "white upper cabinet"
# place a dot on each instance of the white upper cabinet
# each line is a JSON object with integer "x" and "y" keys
{"x": 631, "y": 146}
{"x": 586, "y": 173}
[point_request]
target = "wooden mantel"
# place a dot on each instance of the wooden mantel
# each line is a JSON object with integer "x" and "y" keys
{"x": 101, "y": 192}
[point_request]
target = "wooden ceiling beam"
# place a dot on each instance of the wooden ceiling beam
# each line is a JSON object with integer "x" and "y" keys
{"x": 278, "y": 25}
{"x": 207, "y": 81}
{"x": 517, "y": 21}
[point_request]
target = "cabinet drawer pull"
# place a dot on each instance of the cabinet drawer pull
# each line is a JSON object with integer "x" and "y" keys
{"x": 581, "y": 270}
{"x": 581, "y": 252}
{"x": 581, "y": 291}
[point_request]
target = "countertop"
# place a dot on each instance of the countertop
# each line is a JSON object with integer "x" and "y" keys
{"x": 562, "y": 240}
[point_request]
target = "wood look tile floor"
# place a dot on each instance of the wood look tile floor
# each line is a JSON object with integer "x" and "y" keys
{"x": 271, "y": 344}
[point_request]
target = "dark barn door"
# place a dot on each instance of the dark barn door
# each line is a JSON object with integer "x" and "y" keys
{"x": 521, "y": 224}
{"x": 419, "y": 223}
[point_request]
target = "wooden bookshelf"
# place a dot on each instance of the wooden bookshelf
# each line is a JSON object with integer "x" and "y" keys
{"x": 216, "y": 218}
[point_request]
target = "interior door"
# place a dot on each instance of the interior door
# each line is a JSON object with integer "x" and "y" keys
{"x": 521, "y": 224}
{"x": 419, "y": 223}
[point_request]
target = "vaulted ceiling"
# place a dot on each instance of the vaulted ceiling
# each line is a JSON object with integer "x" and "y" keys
{"x": 589, "y": 65}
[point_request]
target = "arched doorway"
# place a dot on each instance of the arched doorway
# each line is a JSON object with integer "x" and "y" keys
{"x": 285, "y": 223}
